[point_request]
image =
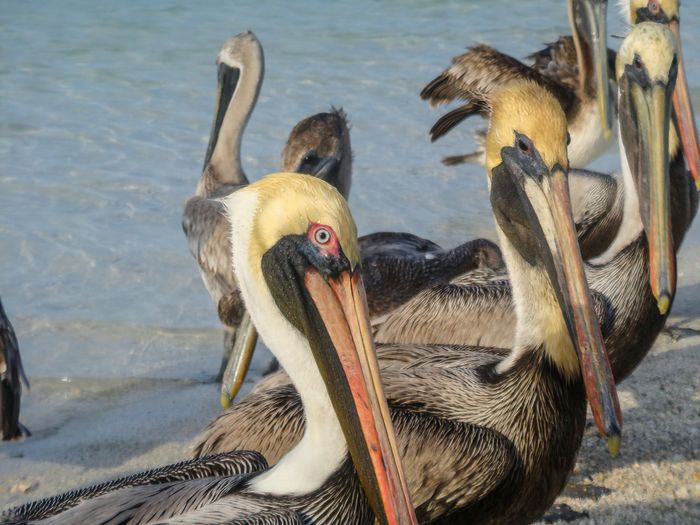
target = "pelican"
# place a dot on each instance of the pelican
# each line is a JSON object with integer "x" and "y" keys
{"x": 318, "y": 145}
{"x": 668, "y": 12}
{"x": 574, "y": 69}
{"x": 637, "y": 278}
{"x": 297, "y": 263}
{"x": 11, "y": 377}
{"x": 630, "y": 299}
{"x": 488, "y": 435}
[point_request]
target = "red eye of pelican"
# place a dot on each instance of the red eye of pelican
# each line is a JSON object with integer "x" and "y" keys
{"x": 324, "y": 238}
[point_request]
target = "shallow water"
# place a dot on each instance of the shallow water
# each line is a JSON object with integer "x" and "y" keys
{"x": 104, "y": 116}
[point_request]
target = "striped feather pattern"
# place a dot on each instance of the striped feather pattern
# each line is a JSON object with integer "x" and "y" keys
{"x": 221, "y": 464}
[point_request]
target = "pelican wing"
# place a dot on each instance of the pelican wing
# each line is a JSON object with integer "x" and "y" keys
{"x": 220, "y": 465}
{"x": 269, "y": 420}
{"x": 472, "y": 309}
{"x": 208, "y": 238}
{"x": 397, "y": 266}
{"x": 151, "y": 503}
{"x": 558, "y": 62}
{"x": 473, "y": 76}
{"x": 597, "y": 205}
{"x": 449, "y": 464}
{"x": 11, "y": 377}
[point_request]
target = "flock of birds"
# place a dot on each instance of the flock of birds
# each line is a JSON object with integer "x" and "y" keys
{"x": 421, "y": 384}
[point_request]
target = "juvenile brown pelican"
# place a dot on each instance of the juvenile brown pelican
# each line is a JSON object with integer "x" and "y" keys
{"x": 574, "y": 70}
{"x": 488, "y": 439}
{"x": 11, "y": 377}
{"x": 297, "y": 263}
{"x": 318, "y": 145}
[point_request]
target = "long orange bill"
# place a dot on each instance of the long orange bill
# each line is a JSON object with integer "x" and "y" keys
{"x": 351, "y": 373}
{"x": 684, "y": 112}
{"x": 578, "y": 310}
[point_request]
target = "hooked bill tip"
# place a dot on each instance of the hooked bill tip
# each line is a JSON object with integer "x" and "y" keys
{"x": 664, "y": 303}
{"x": 614, "y": 445}
{"x": 225, "y": 401}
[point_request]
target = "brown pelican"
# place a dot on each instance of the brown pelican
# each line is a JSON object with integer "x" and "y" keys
{"x": 11, "y": 377}
{"x": 318, "y": 145}
{"x": 668, "y": 12}
{"x": 481, "y": 311}
{"x": 297, "y": 263}
{"x": 490, "y": 436}
{"x": 397, "y": 266}
{"x": 574, "y": 70}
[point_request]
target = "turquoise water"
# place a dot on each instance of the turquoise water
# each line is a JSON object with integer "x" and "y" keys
{"x": 104, "y": 116}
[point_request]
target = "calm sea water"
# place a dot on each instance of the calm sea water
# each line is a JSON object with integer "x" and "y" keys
{"x": 104, "y": 115}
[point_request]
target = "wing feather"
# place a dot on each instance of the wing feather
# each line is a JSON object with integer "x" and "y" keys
{"x": 481, "y": 70}
{"x": 217, "y": 465}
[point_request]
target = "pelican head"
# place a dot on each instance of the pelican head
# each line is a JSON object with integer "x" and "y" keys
{"x": 667, "y": 12}
{"x": 320, "y": 146}
{"x": 646, "y": 69}
{"x": 527, "y": 163}
{"x": 589, "y": 21}
{"x": 238, "y": 52}
{"x": 297, "y": 262}
{"x": 661, "y": 11}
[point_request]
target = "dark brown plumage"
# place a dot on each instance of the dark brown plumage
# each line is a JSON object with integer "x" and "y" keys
{"x": 397, "y": 266}
{"x": 11, "y": 378}
{"x": 571, "y": 69}
{"x": 473, "y": 76}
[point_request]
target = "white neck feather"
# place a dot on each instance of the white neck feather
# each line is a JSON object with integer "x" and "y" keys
{"x": 587, "y": 139}
{"x": 631, "y": 225}
{"x": 539, "y": 321}
{"x": 323, "y": 447}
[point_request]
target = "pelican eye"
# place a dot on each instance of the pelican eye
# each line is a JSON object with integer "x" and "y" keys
{"x": 637, "y": 62}
{"x": 311, "y": 156}
{"x": 324, "y": 239}
{"x": 322, "y": 236}
{"x": 523, "y": 146}
{"x": 654, "y": 7}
